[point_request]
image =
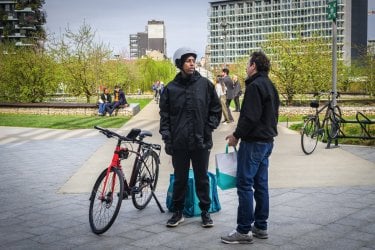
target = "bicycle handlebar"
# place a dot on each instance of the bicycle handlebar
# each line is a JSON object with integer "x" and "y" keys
{"x": 111, "y": 134}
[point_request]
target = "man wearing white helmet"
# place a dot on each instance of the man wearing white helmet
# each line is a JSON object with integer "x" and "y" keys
{"x": 189, "y": 111}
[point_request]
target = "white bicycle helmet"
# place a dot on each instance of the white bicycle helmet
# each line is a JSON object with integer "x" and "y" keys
{"x": 180, "y": 53}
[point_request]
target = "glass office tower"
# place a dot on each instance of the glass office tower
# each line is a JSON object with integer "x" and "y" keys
{"x": 238, "y": 27}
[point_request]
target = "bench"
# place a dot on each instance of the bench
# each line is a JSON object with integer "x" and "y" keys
{"x": 133, "y": 108}
{"x": 62, "y": 109}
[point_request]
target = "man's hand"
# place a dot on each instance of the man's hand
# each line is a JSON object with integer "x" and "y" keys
{"x": 232, "y": 141}
{"x": 126, "y": 105}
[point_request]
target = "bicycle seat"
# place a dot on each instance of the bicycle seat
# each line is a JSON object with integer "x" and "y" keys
{"x": 314, "y": 104}
{"x": 145, "y": 133}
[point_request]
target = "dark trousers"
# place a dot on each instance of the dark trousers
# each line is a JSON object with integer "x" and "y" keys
{"x": 181, "y": 164}
{"x": 112, "y": 107}
{"x": 237, "y": 103}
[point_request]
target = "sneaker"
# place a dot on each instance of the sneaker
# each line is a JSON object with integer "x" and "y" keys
{"x": 235, "y": 237}
{"x": 176, "y": 219}
{"x": 259, "y": 233}
{"x": 206, "y": 219}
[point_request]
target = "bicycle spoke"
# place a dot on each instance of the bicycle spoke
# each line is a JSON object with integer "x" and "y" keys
{"x": 105, "y": 205}
{"x": 147, "y": 174}
{"x": 309, "y": 136}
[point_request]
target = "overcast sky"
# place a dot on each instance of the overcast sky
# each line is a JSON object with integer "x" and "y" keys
{"x": 186, "y": 21}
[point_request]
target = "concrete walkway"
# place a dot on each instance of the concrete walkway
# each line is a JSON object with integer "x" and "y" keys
{"x": 322, "y": 201}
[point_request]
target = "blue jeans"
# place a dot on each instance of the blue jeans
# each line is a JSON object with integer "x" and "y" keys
{"x": 252, "y": 173}
{"x": 102, "y": 107}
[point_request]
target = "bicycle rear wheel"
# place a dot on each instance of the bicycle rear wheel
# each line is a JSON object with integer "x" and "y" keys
{"x": 105, "y": 200}
{"x": 147, "y": 178}
{"x": 333, "y": 122}
{"x": 309, "y": 135}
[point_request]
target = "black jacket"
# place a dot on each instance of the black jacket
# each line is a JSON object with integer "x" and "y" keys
{"x": 189, "y": 111}
{"x": 260, "y": 110}
{"x": 104, "y": 99}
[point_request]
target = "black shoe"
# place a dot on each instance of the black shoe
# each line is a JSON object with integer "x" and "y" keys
{"x": 176, "y": 219}
{"x": 206, "y": 219}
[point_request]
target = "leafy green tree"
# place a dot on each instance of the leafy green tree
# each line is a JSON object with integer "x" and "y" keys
{"x": 299, "y": 65}
{"x": 82, "y": 59}
{"x": 365, "y": 68}
{"x": 27, "y": 74}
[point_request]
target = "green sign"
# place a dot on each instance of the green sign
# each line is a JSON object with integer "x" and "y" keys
{"x": 332, "y": 9}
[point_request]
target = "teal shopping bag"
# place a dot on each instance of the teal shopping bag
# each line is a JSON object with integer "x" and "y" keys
{"x": 191, "y": 206}
{"x": 226, "y": 169}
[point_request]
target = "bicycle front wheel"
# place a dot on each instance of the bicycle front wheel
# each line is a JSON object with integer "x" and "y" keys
{"x": 105, "y": 200}
{"x": 309, "y": 135}
{"x": 333, "y": 122}
{"x": 147, "y": 178}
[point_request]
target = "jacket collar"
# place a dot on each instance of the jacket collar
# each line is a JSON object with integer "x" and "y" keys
{"x": 194, "y": 77}
{"x": 255, "y": 76}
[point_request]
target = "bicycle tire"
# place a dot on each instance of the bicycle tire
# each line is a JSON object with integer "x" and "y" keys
{"x": 333, "y": 122}
{"x": 309, "y": 135}
{"x": 104, "y": 210}
{"x": 146, "y": 179}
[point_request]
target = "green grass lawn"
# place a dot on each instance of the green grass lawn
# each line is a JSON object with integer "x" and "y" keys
{"x": 67, "y": 121}
{"x": 61, "y": 121}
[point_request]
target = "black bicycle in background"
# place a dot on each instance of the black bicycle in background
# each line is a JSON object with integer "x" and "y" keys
{"x": 317, "y": 127}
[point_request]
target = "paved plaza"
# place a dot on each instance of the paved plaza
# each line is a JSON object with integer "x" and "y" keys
{"x": 322, "y": 201}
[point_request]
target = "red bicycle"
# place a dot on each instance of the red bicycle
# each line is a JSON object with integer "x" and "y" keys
{"x": 111, "y": 187}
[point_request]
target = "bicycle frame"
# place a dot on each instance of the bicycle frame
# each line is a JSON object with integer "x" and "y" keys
{"x": 116, "y": 162}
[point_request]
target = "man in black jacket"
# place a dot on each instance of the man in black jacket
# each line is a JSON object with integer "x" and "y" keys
{"x": 257, "y": 126}
{"x": 189, "y": 111}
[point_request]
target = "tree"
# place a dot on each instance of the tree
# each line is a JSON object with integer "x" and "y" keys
{"x": 365, "y": 68}
{"x": 82, "y": 59}
{"x": 299, "y": 65}
{"x": 27, "y": 74}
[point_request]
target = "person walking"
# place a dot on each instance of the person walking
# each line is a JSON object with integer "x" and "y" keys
{"x": 189, "y": 111}
{"x": 118, "y": 99}
{"x": 230, "y": 90}
{"x": 256, "y": 127}
{"x": 104, "y": 100}
{"x": 220, "y": 91}
{"x": 237, "y": 93}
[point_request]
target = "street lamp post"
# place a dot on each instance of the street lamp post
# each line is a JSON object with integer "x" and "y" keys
{"x": 224, "y": 25}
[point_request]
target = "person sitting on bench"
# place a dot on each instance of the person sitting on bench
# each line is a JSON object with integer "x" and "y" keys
{"x": 118, "y": 99}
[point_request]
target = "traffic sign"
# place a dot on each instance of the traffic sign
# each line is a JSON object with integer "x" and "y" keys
{"x": 332, "y": 9}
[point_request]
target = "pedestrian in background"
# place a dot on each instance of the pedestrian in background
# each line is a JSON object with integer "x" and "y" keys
{"x": 104, "y": 100}
{"x": 189, "y": 111}
{"x": 118, "y": 99}
{"x": 237, "y": 93}
{"x": 230, "y": 90}
{"x": 256, "y": 127}
{"x": 220, "y": 91}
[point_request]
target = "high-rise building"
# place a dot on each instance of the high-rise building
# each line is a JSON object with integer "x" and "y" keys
{"x": 21, "y": 22}
{"x": 238, "y": 27}
{"x": 153, "y": 39}
{"x": 138, "y": 44}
